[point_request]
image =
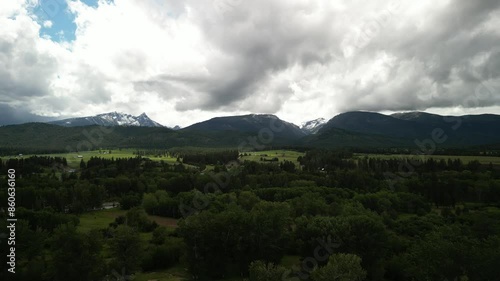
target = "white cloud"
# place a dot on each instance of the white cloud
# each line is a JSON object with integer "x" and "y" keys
{"x": 190, "y": 60}
{"x": 10, "y": 8}
{"x": 47, "y": 24}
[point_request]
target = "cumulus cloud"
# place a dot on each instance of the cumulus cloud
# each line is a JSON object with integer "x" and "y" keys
{"x": 184, "y": 61}
{"x": 47, "y": 24}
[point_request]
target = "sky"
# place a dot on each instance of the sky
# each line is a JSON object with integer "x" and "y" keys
{"x": 185, "y": 61}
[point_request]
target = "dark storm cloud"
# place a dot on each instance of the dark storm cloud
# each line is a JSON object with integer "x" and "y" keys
{"x": 25, "y": 70}
{"x": 262, "y": 39}
{"x": 258, "y": 39}
{"x": 164, "y": 87}
{"x": 491, "y": 68}
{"x": 273, "y": 56}
{"x": 443, "y": 59}
{"x": 10, "y": 115}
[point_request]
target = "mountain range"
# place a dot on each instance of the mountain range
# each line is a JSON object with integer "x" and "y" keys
{"x": 351, "y": 129}
{"x": 252, "y": 123}
{"x": 236, "y": 123}
{"x": 412, "y": 127}
{"x": 313, "y": 126}
{"x": 109, "y": 119}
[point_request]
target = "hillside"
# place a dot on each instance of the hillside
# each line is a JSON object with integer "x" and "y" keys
{"x": 109, "y": 119}
{"x": 340, "y": 138}
{"x": 375, "y": 123}
{"x": 468, "y": 130}
{"x": 40, "y": 137}
{"x": 351, "y": 129}
{"x": 252, "y": 123}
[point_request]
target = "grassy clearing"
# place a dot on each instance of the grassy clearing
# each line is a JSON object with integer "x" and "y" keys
{"x": 98, "y": 219}
{"x": 282, "y": 155}
{"x": 464, "y": 159}
{"x": 163, "y": 221}
{"x": 73, "y": 158}
{"x": 102, "y": 218}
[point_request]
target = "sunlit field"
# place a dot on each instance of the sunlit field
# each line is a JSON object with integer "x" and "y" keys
{"x": 74, "y": 158}
{"x": 282, "y": 155}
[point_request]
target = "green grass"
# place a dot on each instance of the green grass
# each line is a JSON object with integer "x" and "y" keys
{"x": 102, "y": 218}
{"x": 170, "y": 223}
{"x": 98, "y": 219}
{"x": 282, "y": 155}
{"x": 209, "y": 168}
{"x": 175, "y": 273}
{"x": 74, "y": 161}
{"x": 464, "y": 159}
{"x": 146, "y": 236}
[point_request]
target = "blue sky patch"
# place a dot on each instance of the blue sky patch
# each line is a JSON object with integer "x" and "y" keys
{"x": 92, "y": 3}
{"x": 61, "y": 26}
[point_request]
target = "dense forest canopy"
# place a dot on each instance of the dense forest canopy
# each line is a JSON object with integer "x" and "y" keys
{"x": 329, "y": 212}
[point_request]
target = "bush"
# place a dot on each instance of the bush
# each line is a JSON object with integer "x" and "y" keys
{"x": 260, "y": 271}
{"x": 138, "y": 219}
{"x": 163, "y": 256}
{"x": 129, "y": 201}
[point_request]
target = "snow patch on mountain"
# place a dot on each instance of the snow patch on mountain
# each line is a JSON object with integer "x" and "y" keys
{"x": 313, "y": 126}
{"x": 110, "y": 119}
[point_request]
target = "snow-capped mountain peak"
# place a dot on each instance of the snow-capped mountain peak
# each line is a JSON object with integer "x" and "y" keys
{"x": 313, "y": 126}
{"x": 110, "y": 119}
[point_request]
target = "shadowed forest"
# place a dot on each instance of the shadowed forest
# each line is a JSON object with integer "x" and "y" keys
{"x": 327, "y": 214}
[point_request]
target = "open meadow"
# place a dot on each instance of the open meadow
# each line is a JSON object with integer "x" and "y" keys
{"x": 100, "y": 219}
{"x": 74, "y": 158}
{"x": 282, "y": 155}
